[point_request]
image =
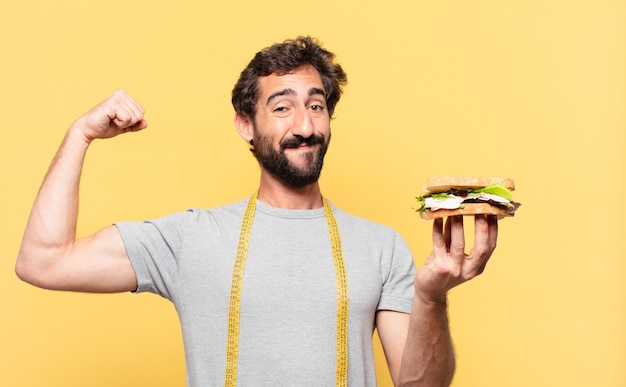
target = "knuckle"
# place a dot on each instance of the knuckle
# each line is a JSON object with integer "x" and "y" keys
{"x": 468, "y": 276}
{"x": 484, "y": 251}
{"x": 439, "y": 244}
{"x": 457, "y": 246}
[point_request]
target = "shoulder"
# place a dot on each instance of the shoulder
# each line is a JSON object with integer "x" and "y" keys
{"x": 366, "y": 227}
{"x": 192, "y": 217}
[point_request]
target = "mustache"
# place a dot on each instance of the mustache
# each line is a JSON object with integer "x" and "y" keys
{"x": 298, "y": 140}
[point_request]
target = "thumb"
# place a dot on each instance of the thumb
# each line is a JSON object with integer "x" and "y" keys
{"x": 142, "y": 124}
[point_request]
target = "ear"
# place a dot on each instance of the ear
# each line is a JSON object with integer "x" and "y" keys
{"x": 244, "y": 127}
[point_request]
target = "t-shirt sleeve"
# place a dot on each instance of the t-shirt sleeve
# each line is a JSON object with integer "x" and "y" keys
{"x": 152, "y": 247}
{"x": 398, "y": 285}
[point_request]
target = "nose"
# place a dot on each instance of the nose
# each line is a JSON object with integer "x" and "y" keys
{"x": 303, "y": 125}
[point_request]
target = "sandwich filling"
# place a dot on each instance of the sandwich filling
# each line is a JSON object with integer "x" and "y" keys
{"x": 495, "y": 194}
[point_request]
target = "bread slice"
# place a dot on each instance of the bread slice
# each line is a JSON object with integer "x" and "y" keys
{"x": 446, "y": 183}
{"x": 468, "y": 209}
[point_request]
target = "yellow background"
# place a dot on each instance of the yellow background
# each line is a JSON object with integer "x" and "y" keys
{"x": 534, "y": 90}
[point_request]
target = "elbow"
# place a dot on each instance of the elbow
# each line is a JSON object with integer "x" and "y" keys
{"x": 445, "y": 382}
{"x": 27, "y": 270}
{"x": 24, "y": 270}
{"x": 434, "y": 376}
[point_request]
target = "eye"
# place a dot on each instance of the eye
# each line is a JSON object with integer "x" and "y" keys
{"x": 281, "y": 110}
{"x": 317, "y": 108}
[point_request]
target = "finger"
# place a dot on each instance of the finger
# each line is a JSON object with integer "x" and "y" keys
{"x": 142, "y": 124}
{"x": 457, "y": 238}
{"x": 126, "y": 112}
{"x": 134, "y": 106}
{"x": 486, "y": 231}
{"x": 122, "y": 118}
{"x": 439, "y": 241}
{"x": 492, "y": 220}
{"x": 447, "y": 233}
{"x": 481, "y": 234}
{"x": 486, "y": 234}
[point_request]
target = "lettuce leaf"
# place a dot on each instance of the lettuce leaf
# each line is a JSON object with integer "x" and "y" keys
{"x": 439, "y": 196}
{"x": 495, "y": 189}
{"x": 422, "y": 202}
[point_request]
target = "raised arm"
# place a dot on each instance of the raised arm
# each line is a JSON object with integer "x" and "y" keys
{"x": 418, "y": 346}
{"x": 50, "y": 255}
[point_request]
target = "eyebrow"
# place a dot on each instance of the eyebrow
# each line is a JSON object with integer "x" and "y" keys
{"x": 290, "y": 91}
{"x": 317, "y": 91}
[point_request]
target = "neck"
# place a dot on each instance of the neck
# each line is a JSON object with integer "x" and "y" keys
{"x": 276, "y": 194}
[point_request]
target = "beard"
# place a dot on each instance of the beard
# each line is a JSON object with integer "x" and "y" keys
{"x": 276, "y": 162}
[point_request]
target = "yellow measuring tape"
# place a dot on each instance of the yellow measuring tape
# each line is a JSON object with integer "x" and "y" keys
{"x": 232, "y": 349}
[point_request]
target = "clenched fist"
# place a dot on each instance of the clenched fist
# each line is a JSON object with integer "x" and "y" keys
{"x": 117, "y": 114}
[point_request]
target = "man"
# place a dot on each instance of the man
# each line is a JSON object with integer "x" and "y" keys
{"x": 281, "y": 288}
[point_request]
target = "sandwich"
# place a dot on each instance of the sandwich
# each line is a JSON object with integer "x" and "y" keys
{"x": 449, "y": 196}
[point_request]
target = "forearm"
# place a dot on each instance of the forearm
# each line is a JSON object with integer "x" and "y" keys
{"x": 51, "y": 227}
{"x": 428, "y": 357}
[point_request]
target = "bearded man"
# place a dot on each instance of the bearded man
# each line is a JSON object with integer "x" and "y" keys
{"x": 278, "y": 289}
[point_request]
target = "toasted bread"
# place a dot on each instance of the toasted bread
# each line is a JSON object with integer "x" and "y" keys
{"x": 468, "y": 209}
{"x": 446, "y": 183}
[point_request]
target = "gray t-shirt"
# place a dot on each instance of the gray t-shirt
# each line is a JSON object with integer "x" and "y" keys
{"x": 288, "y": 311}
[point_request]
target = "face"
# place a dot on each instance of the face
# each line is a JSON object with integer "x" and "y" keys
{"x": 291, "y": 129}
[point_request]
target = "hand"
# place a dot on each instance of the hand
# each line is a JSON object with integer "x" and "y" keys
{"x": 117, "y": 114}
{"x": 448, "y": 265}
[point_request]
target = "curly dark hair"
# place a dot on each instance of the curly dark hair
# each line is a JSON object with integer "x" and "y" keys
{"x": 281, "y": 58}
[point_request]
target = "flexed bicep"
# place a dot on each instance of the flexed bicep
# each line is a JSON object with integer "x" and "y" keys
{"x": 50, "y": 255}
